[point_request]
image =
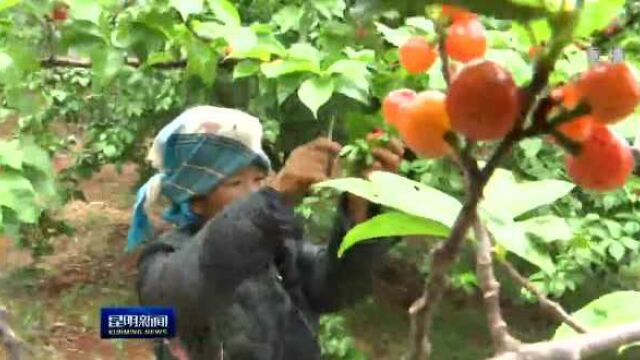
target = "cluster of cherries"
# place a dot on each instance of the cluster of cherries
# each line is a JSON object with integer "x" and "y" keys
{"x": 483, "y": 103}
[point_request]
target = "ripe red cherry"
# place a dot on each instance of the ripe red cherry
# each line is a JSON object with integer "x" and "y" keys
{"x": 604, "y": 162}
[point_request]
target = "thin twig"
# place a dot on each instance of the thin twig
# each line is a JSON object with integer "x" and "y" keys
{"x": 577, "y": 347}
{"x": 462, "y": 156}
{"x": 502, "y": 339}
{"x": 551, "y": 307}
{"x": 544, "y": 127}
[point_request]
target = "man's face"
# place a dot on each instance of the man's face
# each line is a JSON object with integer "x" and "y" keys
{"x": 233, "y": 188}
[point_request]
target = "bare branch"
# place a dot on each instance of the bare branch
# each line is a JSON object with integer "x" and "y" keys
{"x": 85, "y": 63}
{"x": 419, "y": 335}
{"x": 12, "y": 344}
{"x": 502, "y": 340}
{"x": 551, "y": 307}
{"x": 578, "y": 347}
{"x": 442, "y": 258}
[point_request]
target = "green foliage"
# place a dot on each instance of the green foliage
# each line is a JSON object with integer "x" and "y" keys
{"x": 391, "y": 224}
{"x": 335, "y": 341}
{"x": 617, "y": 308}
{"x": 505, "y": 200}
{"x": 27, "y": 185}
{"x": 402, "y": 194}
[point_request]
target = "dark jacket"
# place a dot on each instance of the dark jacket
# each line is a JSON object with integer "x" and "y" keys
{"x": 248, "y": 286}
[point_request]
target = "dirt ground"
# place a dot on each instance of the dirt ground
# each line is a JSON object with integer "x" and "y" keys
{"x": 54, "y": 303}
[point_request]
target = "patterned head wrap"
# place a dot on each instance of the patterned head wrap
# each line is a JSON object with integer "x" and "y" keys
{"x": 194, "y": 154}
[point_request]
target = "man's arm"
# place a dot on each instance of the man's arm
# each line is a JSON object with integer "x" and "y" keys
{"x": 205, "y": 269}
{"x": 331, "y": 283}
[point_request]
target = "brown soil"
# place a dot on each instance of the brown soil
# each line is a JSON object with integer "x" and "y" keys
{"x": 87, "y": 270}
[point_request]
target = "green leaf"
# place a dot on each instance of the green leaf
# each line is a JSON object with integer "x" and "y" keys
{"x": 11, "y": 154}
{"x": 16, "y": 61}
{"x": 281, "y": 67}
{"x": 6, "y": 4}
{"x": 288, "y": 18}
{"x": 597, "y": 14}
{"x": 286, "y": 86}
{"x": 106, "y": 64}
{"x": 266, "y": 45}
{"x": 513, "y": 62}
{"x": 83, "y": 36}
{"x": 417, "y": 198}
{"x": 540, "y": 29}
{"x": 243, "y": 39}
{"x": 512, "y": 237}
{"x": 35, "y": 156}
{"x": 391, "y": 224}
{"x": 402, "y": 194}
{"x": 613, "y": 309}
{"x": 25, "y": 100}
{"x": 25, "y": 56}
{"x": 212, "y": 30}
{"x": 503, "y": 195}
{"x": 88, "y": 10}
{"x": 355, "y": 71}
{"x": 305, "y": 51}
{"x": 574, "y": 61}
{"x": 630, "y": 243}
{"x": 187, "y": 7}
{"x": 421, "y": 23}
{"x": 548, "y": 228}
{"x": 436, "y": 79}
{"x": 349, "y": 68}
{"x": 616, "y": 250}
{"x": 202, "y": 61}
{"x": 349, "y": 88}
{"x": 8, "y": 71}
{"x": 226, "y": 12}
{"x": 16, "y": 192}
{"x": 315, "y": 92}
{"x": 366, "y": 56}
{"x": 395, "y": 37}
{"x": 330, "y": 8}
{"x": 246, "y": 68}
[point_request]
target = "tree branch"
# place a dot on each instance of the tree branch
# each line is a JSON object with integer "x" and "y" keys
{"x": 578, "y": 347}
{"x": 503, "y": 341}
{"x": 12, "y": 344}
{"x": 422, "y": 310}
{"x": 551, "y": 307}
{"x": 85, "y": 63}
{"x": 444, "y": 58}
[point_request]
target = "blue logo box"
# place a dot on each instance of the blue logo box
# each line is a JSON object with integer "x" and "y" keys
{"x": 141, "y": 322}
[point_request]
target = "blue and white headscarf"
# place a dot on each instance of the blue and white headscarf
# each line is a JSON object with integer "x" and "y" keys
{"x": 194, "y": 154}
